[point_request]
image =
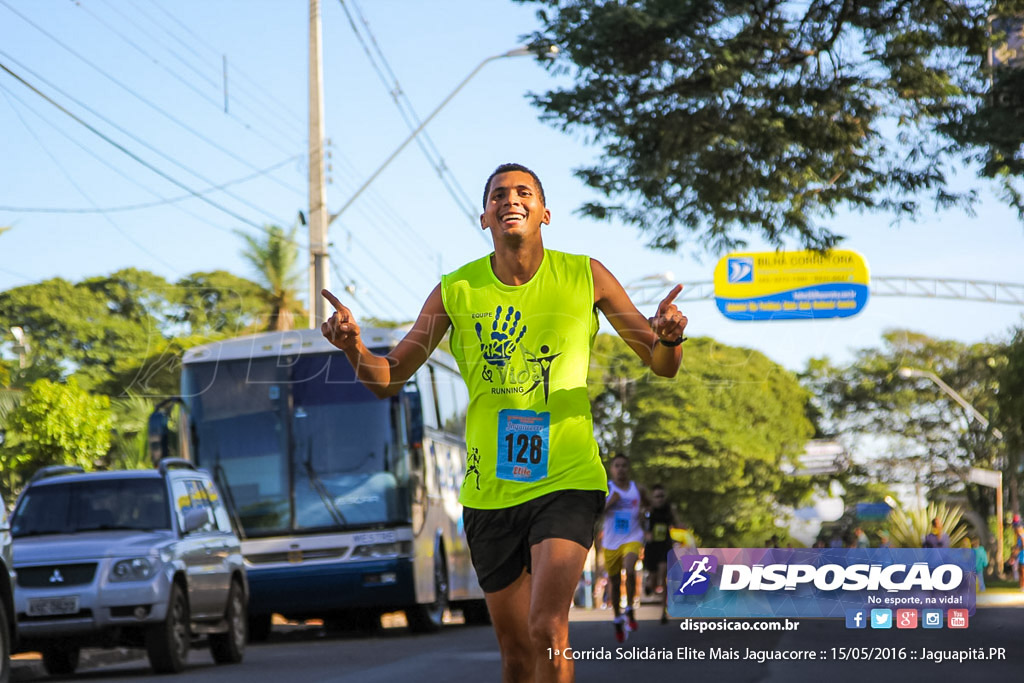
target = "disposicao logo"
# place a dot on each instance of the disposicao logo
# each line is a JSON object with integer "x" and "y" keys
{"x": 698, "y": 570}
{"x": 839, "y": 582}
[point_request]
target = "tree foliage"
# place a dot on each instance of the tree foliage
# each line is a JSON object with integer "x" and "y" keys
{"x": 124, "y": 331}
{"x": 274, "y": 257}
{"x": 56, "y": 424}
{"x": 767, "y": 116}
{"x": 915, "y": 432}
{"x": 718, "y": 436}
{"x": 1010, "y": 416}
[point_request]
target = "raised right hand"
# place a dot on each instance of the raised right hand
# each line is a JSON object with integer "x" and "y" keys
{"x": 341, "y": 328}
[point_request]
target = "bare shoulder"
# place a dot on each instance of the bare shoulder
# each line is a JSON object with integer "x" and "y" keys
{"x": 605, "y": 284}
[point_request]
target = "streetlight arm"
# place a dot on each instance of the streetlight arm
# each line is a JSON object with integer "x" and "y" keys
{"x": 517, "y": 52}
{"x": 971, "y": 410}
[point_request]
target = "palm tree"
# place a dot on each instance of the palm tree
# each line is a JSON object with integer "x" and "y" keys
{"x": 275, "y": 255}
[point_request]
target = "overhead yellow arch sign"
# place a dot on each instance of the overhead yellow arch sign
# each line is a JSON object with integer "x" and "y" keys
{"x": 791, "y": 285}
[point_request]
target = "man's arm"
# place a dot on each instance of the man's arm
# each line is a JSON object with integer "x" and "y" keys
{"x": 640, "y": 333}
{"x": 385, "y": 375}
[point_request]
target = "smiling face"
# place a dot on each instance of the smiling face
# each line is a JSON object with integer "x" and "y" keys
{"x": 514, "y": 211}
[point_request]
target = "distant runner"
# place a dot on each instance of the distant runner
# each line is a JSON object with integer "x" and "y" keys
{"x": 622, "y": 538}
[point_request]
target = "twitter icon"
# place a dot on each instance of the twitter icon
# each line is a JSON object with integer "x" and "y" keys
{"x": 881, "y": 618}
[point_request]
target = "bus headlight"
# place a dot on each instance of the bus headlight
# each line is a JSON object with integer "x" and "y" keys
{"x": 373, "y": 550}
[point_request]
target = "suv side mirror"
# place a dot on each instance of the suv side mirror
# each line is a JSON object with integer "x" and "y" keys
{"x": 196, "y": 518}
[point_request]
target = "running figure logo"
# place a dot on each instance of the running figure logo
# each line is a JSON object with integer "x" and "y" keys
{"x": 473, "y": 460}
{"x": 698, "y": 567}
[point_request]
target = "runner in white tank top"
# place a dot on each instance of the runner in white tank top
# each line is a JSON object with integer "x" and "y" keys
{"x": 622, "y": 518}
{"x": 622, "y": 539}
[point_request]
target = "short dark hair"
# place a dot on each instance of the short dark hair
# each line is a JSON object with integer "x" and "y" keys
{"x": 508, "y": 168}
{"x": 619, "y": 455}
{"x": 657, "y": 487}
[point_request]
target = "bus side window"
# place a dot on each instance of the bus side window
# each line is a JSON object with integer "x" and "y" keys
{"x": 452, "y": 401}
{"x": 446, "y": 407}
{"x": 461, "y": 402}
{"x": 425, "y": 383}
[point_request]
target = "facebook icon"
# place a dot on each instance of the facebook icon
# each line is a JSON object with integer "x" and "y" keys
{"x": 856, "y": 618}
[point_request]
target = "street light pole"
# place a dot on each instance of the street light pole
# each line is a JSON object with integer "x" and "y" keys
{"x": 907, "y": 373}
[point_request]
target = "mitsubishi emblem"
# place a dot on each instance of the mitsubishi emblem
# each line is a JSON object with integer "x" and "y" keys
{"x": 56, "y": 577}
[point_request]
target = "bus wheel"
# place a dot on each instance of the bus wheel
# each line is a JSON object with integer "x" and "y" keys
{"x": 430, "y": 617}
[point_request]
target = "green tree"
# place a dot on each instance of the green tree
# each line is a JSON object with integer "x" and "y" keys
{"x": 219, "y": 304}
{"x": 274, "y": 256}
{"x": 56, "y": 424}
{"x": 719, "y": 118}
{"x": 130, "y": 431}
{"x": 719, "y": 436}
{"x": 916, "y": 433}
{"x": 89, "y": 329}
{"x": 1010, "y": 403}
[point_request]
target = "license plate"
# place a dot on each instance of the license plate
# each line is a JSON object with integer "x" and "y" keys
{"x": 375, "y": 537}
{"x": 48, "y": 607}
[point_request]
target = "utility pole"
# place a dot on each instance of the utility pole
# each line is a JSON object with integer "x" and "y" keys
{"x": 318, "y": 257}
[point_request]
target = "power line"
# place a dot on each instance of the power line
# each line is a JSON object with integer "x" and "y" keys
{"x": 408, "y": 113}
{"x": 221, "y": 67}
{"x": 176, "y": 76}
{"x": 81, "y": 191}
{"x": 259, "y": 88}
{"x": 131, "y": 154}
{"x": 147, "y": 205}
{"x": 143, "y": 142}
{"x": 131, "y": 92}
{"x": 396, "y": 311}
{"x": 113, "y": 168}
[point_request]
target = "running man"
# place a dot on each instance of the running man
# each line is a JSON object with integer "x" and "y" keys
{"x": 522, "y": 320}
{"x": 660, "y": 519}
{"x": 622, "y": 538}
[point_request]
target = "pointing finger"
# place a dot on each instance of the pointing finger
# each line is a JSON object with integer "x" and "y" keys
{"x": 667, "y": 301}
{"x": 334, "y": 301}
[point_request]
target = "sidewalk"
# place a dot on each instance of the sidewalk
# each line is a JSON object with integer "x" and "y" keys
{"x": 1001, "y": 597}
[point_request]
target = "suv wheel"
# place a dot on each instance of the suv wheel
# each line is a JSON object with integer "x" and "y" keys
{"x": 228, "y": 648}
{"x": 60, "y": 659}
{"x": 167, "y": 644}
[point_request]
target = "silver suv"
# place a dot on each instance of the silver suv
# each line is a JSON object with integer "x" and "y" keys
{"x": 135, "y": 557}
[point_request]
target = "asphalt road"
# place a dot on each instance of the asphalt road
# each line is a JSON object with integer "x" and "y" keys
{"x": 464, "y": 654}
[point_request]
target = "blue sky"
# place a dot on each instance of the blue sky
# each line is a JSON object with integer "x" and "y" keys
{"x": 154, "y": 69}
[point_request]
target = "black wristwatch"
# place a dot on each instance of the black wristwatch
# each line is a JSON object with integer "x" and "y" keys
{"x": 675, "y": 342}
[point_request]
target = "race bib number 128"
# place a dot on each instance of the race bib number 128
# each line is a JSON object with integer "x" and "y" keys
{"x": 523, "y": 437}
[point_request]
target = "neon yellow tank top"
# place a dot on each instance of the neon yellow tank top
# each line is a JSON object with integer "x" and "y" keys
{"x": 524, "y": 353}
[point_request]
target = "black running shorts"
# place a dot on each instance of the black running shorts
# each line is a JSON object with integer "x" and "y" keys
{"x": 500, "y": 540}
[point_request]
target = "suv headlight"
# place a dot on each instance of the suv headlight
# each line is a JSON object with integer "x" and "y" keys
{"x": 135, "y": 569}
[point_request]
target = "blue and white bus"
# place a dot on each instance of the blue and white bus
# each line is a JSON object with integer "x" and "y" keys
{"x": 347, "y": 505}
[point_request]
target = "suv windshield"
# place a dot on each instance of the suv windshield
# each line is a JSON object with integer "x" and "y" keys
{"x": 94, "y": 505}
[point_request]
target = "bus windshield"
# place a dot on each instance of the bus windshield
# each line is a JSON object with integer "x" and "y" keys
{"x": 299, "y": 443}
